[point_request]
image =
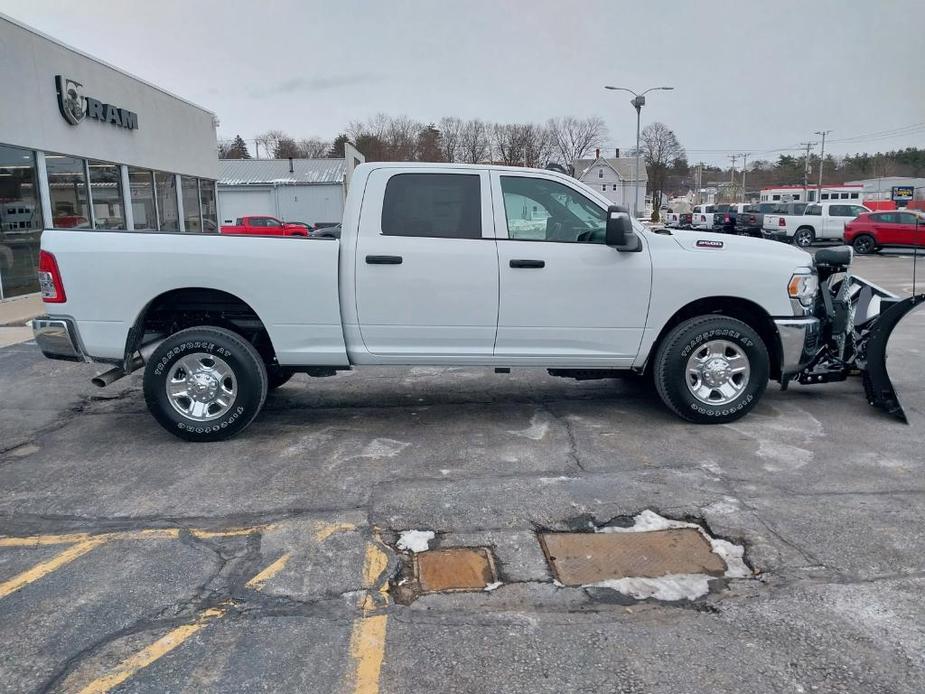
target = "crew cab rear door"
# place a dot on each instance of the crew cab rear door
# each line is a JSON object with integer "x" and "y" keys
{"x": 426, "y": 265}
{"x": 566, "y": 298}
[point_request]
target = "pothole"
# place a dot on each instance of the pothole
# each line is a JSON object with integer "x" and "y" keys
{"x": 651, "y": 557}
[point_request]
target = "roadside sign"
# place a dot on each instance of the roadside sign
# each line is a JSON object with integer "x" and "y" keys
{"x": 902, "y": 193}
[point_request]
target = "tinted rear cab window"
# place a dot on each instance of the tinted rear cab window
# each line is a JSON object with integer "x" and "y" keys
{"x": 433, "y": 205}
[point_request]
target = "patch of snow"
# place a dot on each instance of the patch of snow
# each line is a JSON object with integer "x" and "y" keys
{"x": 415, "y": 540}
{"x": 539, "y": 426}
{"x": 492, "y": 586}
{"x": 554, "y": 480}
{"x": 647, "y": 521}
{"x": 382, "y": 448}
{"x": 732, "y": 555}
{"x": 668, "y": 588}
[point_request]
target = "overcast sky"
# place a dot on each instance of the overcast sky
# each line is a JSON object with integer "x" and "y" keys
{"x": 748, "y": 76}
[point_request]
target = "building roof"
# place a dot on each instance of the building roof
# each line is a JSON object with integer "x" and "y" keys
{"x": 238, "y": 172}
{"x": 624, "y": 166}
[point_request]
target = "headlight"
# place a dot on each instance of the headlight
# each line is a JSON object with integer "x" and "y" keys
{"x": 803, "y": 287}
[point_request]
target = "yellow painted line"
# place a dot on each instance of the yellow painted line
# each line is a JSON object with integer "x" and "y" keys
{"x": 258, "y": 581}
{"x": 142, "y": 534}
{"x": 174, "y": 638}
{"x": 40, "y": 540}
{"x": 367, "y": 639}
{"x": 46, "y": 567}
{"x": 367, "y": 648}
{"x": 325, "y": 530}
{"x": 168, "y": 642}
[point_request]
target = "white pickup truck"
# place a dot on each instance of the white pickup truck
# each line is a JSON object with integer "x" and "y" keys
{"x": 436, "y": 265}
{"x": 819, "y": 221}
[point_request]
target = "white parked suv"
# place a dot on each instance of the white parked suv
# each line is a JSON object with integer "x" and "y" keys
{"x": 437, "y": 264}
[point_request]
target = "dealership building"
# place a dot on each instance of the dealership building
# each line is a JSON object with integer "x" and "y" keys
{"x": 86, "y": 145}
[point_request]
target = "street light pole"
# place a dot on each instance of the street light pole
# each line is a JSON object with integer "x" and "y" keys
{"x": 638, "y": 101}
{"x": 821, "y": 162}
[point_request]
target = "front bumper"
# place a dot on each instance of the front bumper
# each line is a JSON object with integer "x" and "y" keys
{"x": 799, "y": 341}
{"x": 57, "y": 338}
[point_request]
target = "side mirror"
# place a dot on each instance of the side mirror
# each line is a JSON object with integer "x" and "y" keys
{"x": 619, "y": 232}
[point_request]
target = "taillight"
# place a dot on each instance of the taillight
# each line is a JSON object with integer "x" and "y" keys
{"x": 781, "y": 222}
{"x": 726, "y": 219}
{"x": 751, "y": 219}
{"x": 50, "y": 279}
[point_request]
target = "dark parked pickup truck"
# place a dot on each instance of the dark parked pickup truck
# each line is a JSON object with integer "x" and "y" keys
{"x": 752, "y": 217}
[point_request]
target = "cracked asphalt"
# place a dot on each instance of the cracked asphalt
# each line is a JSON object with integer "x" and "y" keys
{"x": 133, "y": 562}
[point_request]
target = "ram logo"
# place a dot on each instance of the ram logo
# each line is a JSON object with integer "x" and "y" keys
{"x": 71, "y": 100}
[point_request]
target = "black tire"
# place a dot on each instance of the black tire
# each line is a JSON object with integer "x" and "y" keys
{"x": 804, "y": 237}
{"x": 670, "y": 368}
{"x": 278, "y": 376}
{"x": 864, "y": 244}
{"x": 239, "y": 355}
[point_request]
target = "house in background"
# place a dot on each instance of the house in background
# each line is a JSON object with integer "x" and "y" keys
{"x": 614, "y": 177}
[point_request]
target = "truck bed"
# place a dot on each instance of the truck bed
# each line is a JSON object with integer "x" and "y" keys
{"x": 291, "y": 283}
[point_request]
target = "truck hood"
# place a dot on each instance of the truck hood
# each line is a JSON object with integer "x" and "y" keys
{"x": 741, "y": 247}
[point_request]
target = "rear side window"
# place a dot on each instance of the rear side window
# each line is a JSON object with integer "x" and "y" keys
{"x": 884, "y": 218}
{"x": 434, "y": 205}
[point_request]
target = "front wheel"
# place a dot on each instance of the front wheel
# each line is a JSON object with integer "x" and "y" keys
{"x": 864, "y": 244}
{"x": 205, "y": 384}
{"x": 711, "y": 369}
{"x": 804, "y": 237}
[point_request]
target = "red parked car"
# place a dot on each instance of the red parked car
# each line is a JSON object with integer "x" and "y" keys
{"x": 263, "y": 225}
{"x": 871, "y": 231}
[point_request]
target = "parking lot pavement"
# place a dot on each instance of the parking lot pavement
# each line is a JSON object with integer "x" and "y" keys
{"x": 131, "y": 561}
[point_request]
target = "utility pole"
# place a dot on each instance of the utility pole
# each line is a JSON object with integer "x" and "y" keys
{"x": 821, "y": 162}
{"x": 700, "y": 183}
{"x": 744, "y": 168}
{"x": 806, "y": 170}
{"x": 732, "y": 175}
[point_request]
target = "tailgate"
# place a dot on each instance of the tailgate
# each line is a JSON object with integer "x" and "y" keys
{"x": 291, "y": 283}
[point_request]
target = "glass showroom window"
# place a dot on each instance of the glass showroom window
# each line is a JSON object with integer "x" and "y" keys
{"x": 144, "y": 208}
{"x": 209, "y": 211}
{"x": 20, "y": 222}
{"x": 167, "y": 201}
{"x": 106, "y": 193}
{"x": 67, "y": 186}
{"x": 191, "y": 218}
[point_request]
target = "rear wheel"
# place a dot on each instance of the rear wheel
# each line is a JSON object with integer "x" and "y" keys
{"x": 205, "y": 384}
{"x": 711, "y": 369}
{"x": 864, "y": 244}
{"x": 804, "y": 237}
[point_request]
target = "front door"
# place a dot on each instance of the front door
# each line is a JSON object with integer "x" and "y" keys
{"x": 566, "y": 298}
{"x": 427, "y": 266}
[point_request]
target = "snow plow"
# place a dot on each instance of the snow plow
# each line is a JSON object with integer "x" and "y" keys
{"x": 857, "y": 319}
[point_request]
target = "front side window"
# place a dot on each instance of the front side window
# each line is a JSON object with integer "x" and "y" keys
{"x": 856, "y": 210}
{"x": 168, "y": 213}
{"x": 538, "y": 209}
{"x": 190, "y": 189}
{"x": 813, "y": 211}
{"x": 840, "y": 211}
{"x": 67, "y": 186}
{"x": 270, "y": 222}
{"x": 106, "y": 193}
{"x": 433, "y": 205}
{"x": 144, "y": 210}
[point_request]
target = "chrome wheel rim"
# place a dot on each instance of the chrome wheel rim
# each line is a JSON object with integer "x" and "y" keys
{"x": 717, "y": 372}
{"x": 804, "y": 238}
{"x": 201, "y": 386}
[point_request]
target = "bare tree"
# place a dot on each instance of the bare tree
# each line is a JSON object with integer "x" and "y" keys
{"x": 269, "y": 141}
{"x": 450, "y": 135}
{"x": 313, "y": 148}
{"x": 474, "y": 142}
{"x": 402, "y": 136}
{"x": 538, "y": 147}
{"x": 574, "y": 138}
{"x": 661, "y": 148}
